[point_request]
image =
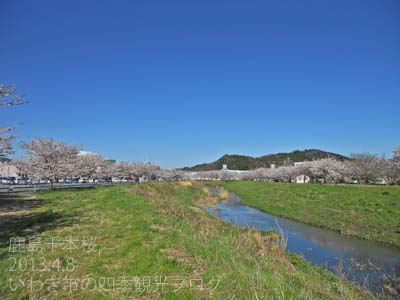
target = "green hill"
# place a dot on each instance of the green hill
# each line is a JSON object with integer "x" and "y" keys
{"x": 243, "y": 162}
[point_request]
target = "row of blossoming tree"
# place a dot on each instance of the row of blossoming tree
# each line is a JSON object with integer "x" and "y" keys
{"x": 55, "y": 161}
{"x": 360, "y": 168}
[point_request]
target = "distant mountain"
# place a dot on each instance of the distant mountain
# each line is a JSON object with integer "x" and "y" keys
{"x": 243, "y": 162}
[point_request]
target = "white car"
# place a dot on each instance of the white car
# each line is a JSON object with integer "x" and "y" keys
{"x": 4, "y": 180}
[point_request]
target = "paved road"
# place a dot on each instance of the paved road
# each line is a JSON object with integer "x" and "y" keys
{"x": 8, "y": 189}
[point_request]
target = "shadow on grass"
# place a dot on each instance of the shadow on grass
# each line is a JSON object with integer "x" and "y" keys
{"x": 73, "y": 189}
{"x": 19, "y": 217}
{"x": 18, "y": 203}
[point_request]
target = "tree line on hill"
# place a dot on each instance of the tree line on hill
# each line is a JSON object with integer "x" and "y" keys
{"x": 244, "y": 162}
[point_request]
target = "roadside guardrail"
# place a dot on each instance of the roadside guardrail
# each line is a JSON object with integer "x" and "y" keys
{"x": 11, "y": 189}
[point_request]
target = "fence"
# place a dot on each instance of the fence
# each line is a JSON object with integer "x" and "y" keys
{"x": 11, "y": 189}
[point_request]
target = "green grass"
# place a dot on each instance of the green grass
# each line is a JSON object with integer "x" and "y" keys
{"x": 369, "y": 212}
{"x": 153, "y": 230}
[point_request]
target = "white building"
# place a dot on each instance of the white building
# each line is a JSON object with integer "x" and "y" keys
{"x": 7, "y": 170}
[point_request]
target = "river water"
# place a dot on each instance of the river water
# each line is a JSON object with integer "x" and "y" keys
{"x": 360, "y": 261}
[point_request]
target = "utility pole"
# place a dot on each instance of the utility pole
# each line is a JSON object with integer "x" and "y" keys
{"x": 8, "y": 179}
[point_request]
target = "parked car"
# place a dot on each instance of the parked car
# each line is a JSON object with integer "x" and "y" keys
{"x": 8, "y": 180}
{"x": 22, "y": 180}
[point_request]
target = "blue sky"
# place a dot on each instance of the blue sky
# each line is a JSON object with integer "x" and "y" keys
{"x": 184, "y": 82}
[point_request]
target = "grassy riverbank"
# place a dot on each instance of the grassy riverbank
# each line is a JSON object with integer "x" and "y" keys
{"x": 369, "y": 212}
{"x": 148, "y": 241}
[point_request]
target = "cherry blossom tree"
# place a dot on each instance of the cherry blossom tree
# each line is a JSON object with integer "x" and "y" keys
{"x": 389, "y": 171}
{"x": 5, "y": 142}
{"x": 391, "y": 168}
{"x": 50, "y": 159}
{"x": 365, "y": 167}
{"x": 327, "y": 170}
{"x": 207, "y": 175}
{"x": 8, "y": 97}
{"x": 24, "y": 165}
{"x": 396, "y": 154}
{"x": 134, "y": 170}
{"x": 167, "y": 175}
{"x": 396, "y": 157}
{"x": 145, "y": 169}
{"x": 90, "y": 165}
{"x": 256, "y": 174}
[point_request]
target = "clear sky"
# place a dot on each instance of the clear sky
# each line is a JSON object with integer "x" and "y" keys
{"x": 184, "y": 82}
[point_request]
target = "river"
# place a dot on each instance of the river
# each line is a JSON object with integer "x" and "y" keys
{"x": 360, "y": 261}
